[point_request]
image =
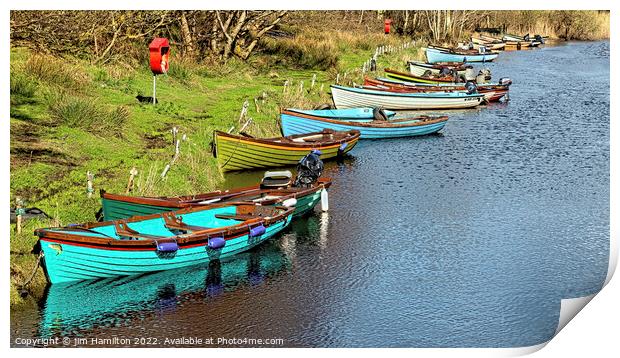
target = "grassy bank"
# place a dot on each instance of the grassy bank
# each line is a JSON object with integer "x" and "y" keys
{"x": 70, "y": 117}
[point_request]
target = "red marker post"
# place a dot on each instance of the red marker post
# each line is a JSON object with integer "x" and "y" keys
{"x": 387, "y": 24}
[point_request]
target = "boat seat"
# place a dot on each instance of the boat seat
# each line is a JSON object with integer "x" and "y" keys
{"x": 124, "y": 231}
{"x": 240, "y": 217}
{"x": 174, "y": 222}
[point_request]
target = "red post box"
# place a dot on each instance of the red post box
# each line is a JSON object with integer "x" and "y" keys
{"x": 159, "y": 50}
{"x": 387, "y": 23}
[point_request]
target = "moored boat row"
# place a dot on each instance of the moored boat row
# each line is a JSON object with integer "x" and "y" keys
{"x": 147, "y": 234}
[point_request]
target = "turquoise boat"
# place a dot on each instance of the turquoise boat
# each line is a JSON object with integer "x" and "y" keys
{"x": 436, "y": 55}
{"x": 118, "y": 206}
{"x": 295, "y": 123}
{"x": 115, "y": 299}
{"x": 348, "y": 114}
{"x": 157, "y": 242}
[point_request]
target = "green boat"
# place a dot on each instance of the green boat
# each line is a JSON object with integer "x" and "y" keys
{"x": 304, "y": 199}
{"x": 235, "y": 152}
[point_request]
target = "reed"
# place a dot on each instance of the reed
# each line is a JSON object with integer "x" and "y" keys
{"x": 23, "y": 88}
{"x": 560, "y": 24}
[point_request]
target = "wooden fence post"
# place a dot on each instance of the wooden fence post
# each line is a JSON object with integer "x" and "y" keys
{"x": 89, "y": 183}
{"x": 244, "y": 110}
{"x": 19, "y": 211}
{"x": 132, "y": 173}
{"x": 175, "y": 131}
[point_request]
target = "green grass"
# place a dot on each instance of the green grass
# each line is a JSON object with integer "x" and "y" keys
{"x": 69, "y": 117}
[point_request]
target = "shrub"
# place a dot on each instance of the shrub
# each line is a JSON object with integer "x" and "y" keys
{"x": 54, "y": 71}
{"x": 180, "y": 71}
{"x": 303, "y": 52}
{"x": 86, "y": 114}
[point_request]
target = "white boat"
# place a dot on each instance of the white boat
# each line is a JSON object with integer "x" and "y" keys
{"x": 350, "y": 97}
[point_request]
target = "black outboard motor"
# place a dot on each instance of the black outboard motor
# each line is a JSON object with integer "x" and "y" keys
{"x": 471, "y": 87}
{"x": 526, "y": 37}
{"x": 505, "y": 81}
{"x": 309, "y": 169}
{"x": 539, "y": 39}
{"x": 445, "y": 71}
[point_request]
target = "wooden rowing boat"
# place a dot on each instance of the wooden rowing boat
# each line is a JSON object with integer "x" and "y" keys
{"x": 236, "y": 152}
{"x": 437, "y": 55}
{"x": 157, "y": 242}
{"x": 430, "y": 79}
{"x": 295, "y": 123}
{"x": 491, "y": 92}
{"x": 117, "y": 206}
{"x": 349, "y": 114}
{"x": 350, "y": 97}
{"x": 420, "y": 68}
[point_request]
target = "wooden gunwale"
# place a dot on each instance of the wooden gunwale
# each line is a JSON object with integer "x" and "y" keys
{"x": 375, "y": 124}
{"x": 461, "y": 52}
{"x": 456, "y": 87}
{"x": 236, "y": 194}
{"x": 390, "y": 94}
{"x": 458, "y": 66}
{"x": 185, "y": 240}
{"x": 277, "y": 143}
{"x": 448, "y": 80}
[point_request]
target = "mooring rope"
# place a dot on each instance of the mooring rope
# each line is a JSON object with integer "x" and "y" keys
{"x": 34, "y": 271}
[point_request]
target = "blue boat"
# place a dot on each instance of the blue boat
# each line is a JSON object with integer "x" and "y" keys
{"x": 157, "y": 242}
{"x": 349, "y": 114}
{"x": 436, "y": 55}
{"x": 296, "y": 123}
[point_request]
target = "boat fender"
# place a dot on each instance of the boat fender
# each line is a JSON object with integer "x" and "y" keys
{"x": 471, "y": 87}
{"x": 290, "y": 202}
{"x": 324, "y": 200}
{"x": 257, "y": 230}
{"x": 216, "y": 242}
{"x": 167, "y": 246}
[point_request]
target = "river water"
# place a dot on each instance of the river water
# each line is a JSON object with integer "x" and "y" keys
{"x": 467, "y": 238}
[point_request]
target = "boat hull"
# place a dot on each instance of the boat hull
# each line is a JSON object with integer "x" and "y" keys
{"x": 350, "y": 97}
{"x": 119, "y": 209}
{"x": 434, "y": 56}
{"x": 292, "y": 125}
{"x": 419, "y": 70}
{"x": 68, "y": 261}
{"x": 236, "y": 154}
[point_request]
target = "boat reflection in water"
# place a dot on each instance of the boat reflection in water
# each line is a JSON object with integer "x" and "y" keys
{"x": 85, "y": 305}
